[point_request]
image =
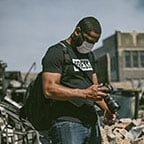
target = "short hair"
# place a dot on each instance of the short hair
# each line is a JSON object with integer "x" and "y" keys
{"x": 88, "y": 24}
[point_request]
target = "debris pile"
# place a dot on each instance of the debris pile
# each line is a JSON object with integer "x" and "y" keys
{"x": 125, "y": 131}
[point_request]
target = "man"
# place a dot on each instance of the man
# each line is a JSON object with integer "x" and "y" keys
{"x": 74, "y": 87}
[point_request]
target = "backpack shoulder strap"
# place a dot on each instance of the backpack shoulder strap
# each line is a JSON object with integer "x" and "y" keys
{"x": 67, "y": 58}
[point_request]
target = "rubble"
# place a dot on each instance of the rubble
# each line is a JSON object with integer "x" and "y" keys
{"x": 125, "y": 131}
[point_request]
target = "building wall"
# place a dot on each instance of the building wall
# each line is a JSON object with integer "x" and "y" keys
{"x": 109, "y": 48}
{"x": 132, "y": 44}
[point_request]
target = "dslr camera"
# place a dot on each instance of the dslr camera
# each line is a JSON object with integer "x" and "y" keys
{"x": 111, "y": 103}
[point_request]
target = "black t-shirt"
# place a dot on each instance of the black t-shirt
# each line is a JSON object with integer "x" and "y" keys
{"x": 54, "y": 61}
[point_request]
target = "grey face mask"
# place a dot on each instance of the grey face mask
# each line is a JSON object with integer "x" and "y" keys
{"x": 86, "y": 47}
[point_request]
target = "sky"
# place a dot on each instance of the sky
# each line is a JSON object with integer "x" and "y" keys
{"x": 29, "y": 27}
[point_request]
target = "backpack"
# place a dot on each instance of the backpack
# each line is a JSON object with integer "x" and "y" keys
{"x": 36, "y": 108}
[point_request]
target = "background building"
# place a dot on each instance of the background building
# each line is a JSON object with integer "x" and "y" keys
{"x": 121, "y": 58}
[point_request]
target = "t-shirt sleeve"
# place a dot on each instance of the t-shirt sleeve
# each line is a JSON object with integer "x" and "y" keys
{"x": 53, "y": 60}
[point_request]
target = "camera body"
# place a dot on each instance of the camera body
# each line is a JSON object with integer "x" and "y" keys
{"x": 111, "y": 103}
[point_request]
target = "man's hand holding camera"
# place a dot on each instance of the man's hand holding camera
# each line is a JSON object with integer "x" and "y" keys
{"x": 109, "y": 118}
{"x": 111, "y": 113}
{"x": 102, "y": 93}
{"x": 96, "y": 92}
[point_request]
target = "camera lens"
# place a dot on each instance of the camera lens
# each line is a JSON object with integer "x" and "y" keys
{"x": 112, "y": 104}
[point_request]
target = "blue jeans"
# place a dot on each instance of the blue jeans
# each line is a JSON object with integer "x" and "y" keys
{"x": 66, "y": 132}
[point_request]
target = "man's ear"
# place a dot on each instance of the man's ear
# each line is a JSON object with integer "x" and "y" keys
{"x": 77, "y": 31}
